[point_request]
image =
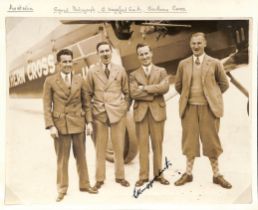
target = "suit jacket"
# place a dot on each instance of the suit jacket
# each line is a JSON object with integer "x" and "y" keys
{"x": 214, "y": 82}
{"x": 64, "y": 107}
{"x": 110, "y": 95}
{"x": 152, "y": 95}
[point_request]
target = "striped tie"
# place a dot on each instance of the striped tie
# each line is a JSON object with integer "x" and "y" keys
{"x": 197, "y": 60}
{"x": 107, "y": 72}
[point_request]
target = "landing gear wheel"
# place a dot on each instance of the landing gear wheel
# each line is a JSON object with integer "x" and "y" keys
{"x": 130, "y": 146}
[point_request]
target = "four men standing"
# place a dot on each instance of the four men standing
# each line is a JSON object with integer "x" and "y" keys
{"x": 102, "y": 102}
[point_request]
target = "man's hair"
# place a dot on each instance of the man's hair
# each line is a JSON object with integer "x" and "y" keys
{"x": 63, "y": 52}
{"x": 139, "y": 45}
{"x": 103, "y": 43}
{"x": 199, "y": 34}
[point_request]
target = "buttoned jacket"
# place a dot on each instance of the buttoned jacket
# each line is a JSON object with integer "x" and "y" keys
{"x": 64, "y": 107}
{"x": 110, "y": 95}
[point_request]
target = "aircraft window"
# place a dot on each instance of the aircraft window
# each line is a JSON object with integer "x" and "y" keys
{"x": 237, "y": 37}
{"x": 89, "y": 45}
{"x": 242, "y": 34}
{"x": 84, "y": 71}
{"x": 76, "y": 51}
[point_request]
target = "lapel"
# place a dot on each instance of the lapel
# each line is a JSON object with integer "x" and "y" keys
{"x": 141, "y": 78}
{"x": 189, "y": 67}
{"x": 113, "y": 72}
{"x": 154, "y": 74}
{"x": 205, "y": 66}
{"x": 74, "y": 86}
{"x": 101, "y": 74}
{"x": 60, "y": 82}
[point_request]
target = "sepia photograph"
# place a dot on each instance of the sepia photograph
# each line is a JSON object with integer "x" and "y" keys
{"x": 128, "y": 112}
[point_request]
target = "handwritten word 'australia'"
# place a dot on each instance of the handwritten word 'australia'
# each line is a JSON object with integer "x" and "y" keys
{"x": 18, "y": 8}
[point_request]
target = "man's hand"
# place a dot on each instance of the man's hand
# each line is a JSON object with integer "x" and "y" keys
{"x": 89, "y": 129}
{"x": 141, "y": 87}
{"x": 54, "y": 132}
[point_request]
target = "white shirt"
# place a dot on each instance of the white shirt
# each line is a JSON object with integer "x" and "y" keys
{"x": 201, "y": 57}
{"x": 63, "y": 75}
{"x": 104, "y": 66}
{"x": 147, "y": 69}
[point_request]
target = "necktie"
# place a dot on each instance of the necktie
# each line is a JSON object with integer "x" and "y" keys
{"x": 147, "y": 71}
{"x": 107, "y": 71}
{"x": 197, "y": 61}
{"x": 67, "y": 81}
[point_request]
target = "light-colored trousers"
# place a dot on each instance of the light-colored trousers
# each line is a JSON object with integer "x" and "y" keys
{"x": 199, "y": 122}
{"x": 148, "y": 127}
{"x": 62, "y": 148}
{"x": 101, "y": 135}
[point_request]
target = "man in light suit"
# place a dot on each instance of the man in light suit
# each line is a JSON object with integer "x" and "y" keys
{"x": 200, "y": 81}
{"x": 64, "y": 102}
{"x": 107, "y": 89}
{"x": 148, "y": 84}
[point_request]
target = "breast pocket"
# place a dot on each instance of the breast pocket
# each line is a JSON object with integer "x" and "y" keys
{"x": 116, "y": 83}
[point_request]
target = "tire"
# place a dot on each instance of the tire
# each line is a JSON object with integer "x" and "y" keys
{"x": 130, "y": 146}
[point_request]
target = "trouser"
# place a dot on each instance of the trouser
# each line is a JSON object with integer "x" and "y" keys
{"x": 199, "y": 122}
{"x": 149, "y": 127}
{"x": 62, "y": 148}
{"x": 101, "y": 135}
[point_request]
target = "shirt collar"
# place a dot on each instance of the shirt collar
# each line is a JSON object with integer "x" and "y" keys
{"x": 145, "y": 68}
{"x": 63, "y": 75}
{"x": 201, "y": 57}
{"x": 104, "y": 66}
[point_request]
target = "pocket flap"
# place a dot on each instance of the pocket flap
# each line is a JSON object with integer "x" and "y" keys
{"x": 135, "y": 105}
{"x": 162, "y": 104}
{"x": 56, "y": 114}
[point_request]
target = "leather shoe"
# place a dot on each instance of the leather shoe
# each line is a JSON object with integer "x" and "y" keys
{"x": 140, "y": 182}
{"x": 89, "y": 190}
{"x": 123, "y": 182}
{"x": 184, "y": 179}
{"x": 60, "y": 197}
{"x": 98, "y": 185}
{"x": 222, "y": 182}
{"x": 162, "y": 180}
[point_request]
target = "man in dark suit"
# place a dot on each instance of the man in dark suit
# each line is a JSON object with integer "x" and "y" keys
{"x": 107, "y": 89}
{"x": 64, "y": 111}
{"x": 200, "y": 81}
{"x": 148, "y": 84}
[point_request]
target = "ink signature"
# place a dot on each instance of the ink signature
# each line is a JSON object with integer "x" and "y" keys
{"x": 138, "y": 192}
